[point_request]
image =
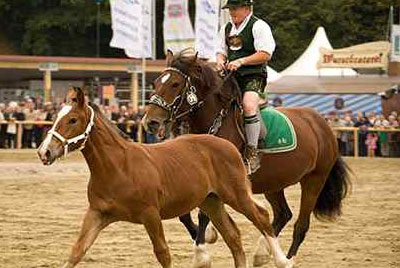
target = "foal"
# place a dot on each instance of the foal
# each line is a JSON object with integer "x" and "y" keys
{"x": 148, "y": 183}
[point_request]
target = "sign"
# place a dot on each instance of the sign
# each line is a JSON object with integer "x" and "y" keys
{"x": 369, "y": 55}
{"x": 48, "y": 66}
{"x": 108, "y": 92}
{"x": 131, "y": 25}
{"x": 178, "y": 30}
{"x": 395, "y": 40}
{"x": 207, "y": 20}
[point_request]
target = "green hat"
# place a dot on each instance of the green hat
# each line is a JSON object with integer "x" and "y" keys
{"x": 238, "y": 3}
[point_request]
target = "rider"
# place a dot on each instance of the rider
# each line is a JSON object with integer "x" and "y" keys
{"x": 246, "y": 46}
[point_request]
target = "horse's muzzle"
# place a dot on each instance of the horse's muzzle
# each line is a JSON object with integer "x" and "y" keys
{"x": 153, "y": 126}
{"x": 46, "y": 156}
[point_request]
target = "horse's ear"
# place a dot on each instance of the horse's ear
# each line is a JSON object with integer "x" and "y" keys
{"x": 76, "y": 95}
{"x": 169, "y": 57}
{"x": 196, "y": 56}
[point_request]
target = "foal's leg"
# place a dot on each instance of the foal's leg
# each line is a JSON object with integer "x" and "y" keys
{"x": 214, "y": 208}
{"x": 282, "y": 216}
{"x": 152, "y": 222}
{"x": 93, "y": 223}
{"x": 244, "y": 204}
{"x": 311, "y": 186}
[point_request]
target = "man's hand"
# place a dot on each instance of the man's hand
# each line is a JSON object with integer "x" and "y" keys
{"x": 221, "y": 64}
{"x": 236, "y": 64}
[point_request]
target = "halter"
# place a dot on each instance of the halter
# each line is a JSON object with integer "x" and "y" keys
{"x": 66, "y": 142}
{"x": 172, "y": 108}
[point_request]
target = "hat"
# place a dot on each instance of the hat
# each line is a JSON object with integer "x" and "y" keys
{"x": 238, "y": 3}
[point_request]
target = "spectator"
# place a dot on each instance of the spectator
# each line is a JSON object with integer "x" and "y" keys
{"x": 382, "y": 123}
{"x": 346, "y": 136}
{"x": 363, "y": 124}
{"x": 3, "y": 127}
{"x": 371, "y": 143}
{"x": 27, "y": 134}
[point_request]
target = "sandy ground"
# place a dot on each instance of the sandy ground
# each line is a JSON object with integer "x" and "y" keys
{"x": 41, "y": 210}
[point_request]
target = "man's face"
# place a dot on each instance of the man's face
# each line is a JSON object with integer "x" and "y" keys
{"x": 238, "y": 14}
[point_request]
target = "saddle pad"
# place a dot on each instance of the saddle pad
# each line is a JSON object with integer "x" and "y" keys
{"x": 281, "y": 136}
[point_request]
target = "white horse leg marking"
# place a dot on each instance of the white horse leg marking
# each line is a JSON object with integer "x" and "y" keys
{"x": 201, "y": 257}
{"x": 280, "y": 259}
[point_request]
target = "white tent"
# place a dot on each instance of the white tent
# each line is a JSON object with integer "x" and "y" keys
{"x": 306, "y": 64}
{"x": 272, "y": 74}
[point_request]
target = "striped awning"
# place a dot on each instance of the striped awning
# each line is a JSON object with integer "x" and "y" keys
{"x": 324, "y": 103}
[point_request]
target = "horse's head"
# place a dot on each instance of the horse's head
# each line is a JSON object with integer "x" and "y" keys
{"x": 70, "y": 129}
{"x": 178, "y": 90}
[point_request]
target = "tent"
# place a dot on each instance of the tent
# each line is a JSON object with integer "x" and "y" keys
{"x": 306, "y": 64}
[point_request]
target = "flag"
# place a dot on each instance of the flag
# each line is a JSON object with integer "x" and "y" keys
{"x": 207, "y": 22}
{"x": 178, "y": 30}
{"x": 131, "y": 25}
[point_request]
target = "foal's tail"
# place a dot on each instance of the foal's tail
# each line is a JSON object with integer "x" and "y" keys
{"x": 329, "y": 203}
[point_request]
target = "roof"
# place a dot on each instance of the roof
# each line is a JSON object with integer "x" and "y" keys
{"x": 334, "y": 84}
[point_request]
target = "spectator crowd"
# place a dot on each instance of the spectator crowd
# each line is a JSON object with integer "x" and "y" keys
{"x": 371, "y": 141}
{"x": 35, "y": 114}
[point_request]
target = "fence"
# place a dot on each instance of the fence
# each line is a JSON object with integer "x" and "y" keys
{"x": 354, "y": 130}
{"x": 19, "y": 126}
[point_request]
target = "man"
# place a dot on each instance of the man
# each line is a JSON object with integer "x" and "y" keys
{"x": 246, "y": 46}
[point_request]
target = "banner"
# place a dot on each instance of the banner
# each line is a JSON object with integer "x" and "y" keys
{"x": 395, "y": 40}
{"x": 131, "y": 24}
{"x": 178, "y": 31}
{"x": 207, "y": 20}
{"x": 369, "y": 55}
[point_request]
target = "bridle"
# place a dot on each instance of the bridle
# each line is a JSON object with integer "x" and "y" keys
{"x": 66, "y": 142}
{"x": 194, "y": 104}
{"x": 187, "y": 93}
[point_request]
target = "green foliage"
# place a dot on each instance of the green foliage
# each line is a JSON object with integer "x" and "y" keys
{"x": 68, "y": 27}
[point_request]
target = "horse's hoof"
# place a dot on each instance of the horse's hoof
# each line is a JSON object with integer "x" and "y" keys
{"x": 260, "y": 260}
{"x": 201, "y": 257}
{"x": 211, "y": 235}
{"x": 287, "y": 263}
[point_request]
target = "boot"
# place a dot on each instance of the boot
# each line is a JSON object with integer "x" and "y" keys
{"x": 252, "y": 159}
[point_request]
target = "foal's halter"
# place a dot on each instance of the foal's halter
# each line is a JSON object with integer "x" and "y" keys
{"x": 66, "y": 142}
{"x": 188, "y": 92}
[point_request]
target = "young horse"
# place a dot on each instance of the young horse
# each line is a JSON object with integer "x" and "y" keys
{"x": 146, "y": 184}
{"x": 190, "y": 91}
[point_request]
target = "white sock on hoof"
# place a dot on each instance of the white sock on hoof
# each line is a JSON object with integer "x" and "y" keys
{"x": 201, "y": 257}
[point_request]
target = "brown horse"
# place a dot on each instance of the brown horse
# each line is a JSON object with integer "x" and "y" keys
{"x": 190, "y": 91}
{"x": 146, "y": 184}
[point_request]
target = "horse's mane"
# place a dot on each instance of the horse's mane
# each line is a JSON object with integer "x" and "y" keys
{"x": 97, "y": 110}
{"x": 203, "y": 73}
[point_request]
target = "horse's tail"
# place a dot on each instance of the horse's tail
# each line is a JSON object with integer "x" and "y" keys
{"x": 337, "y": 186}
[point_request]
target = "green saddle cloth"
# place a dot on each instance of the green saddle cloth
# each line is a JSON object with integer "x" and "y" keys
{"x": 281, "y": 136}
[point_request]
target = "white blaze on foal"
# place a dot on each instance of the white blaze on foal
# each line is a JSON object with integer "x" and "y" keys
{"x": 45, "y": 144}
{"x": 66, "y": 142}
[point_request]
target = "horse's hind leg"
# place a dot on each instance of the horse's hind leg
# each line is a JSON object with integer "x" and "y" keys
{"x": 214, "y": 208}
{"x": 190, "y": 225}
{"x": 259, "y": 217}
{"x": 93, "y": 223}
{"x": 282, "y": 216}
{"x": 311, "y": 186}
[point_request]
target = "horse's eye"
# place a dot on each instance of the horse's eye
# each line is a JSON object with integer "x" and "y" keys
{"x": 73, "y": 120}
{"x": 175, "y": 84}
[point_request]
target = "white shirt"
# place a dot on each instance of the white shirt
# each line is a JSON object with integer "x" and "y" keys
{"x": 263, "y": 39}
